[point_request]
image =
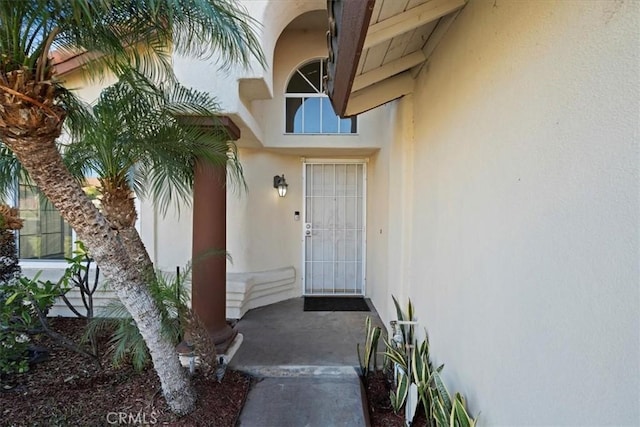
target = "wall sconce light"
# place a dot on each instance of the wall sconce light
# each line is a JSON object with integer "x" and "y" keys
{"x": 281, "y": 184}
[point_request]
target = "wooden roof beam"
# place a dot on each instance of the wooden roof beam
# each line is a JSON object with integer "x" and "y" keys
{"x": 409, "y": 20}
{"x": 380, "y": 93}
{"x": 387, "y": 70}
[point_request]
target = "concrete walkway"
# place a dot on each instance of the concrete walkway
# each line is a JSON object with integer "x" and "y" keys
{"x": 306, "y": 364}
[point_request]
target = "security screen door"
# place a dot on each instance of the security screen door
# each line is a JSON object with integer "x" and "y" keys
{"x": 334, "y": 228}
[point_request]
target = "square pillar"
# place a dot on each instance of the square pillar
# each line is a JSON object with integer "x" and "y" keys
{"x": 209, "y": 261}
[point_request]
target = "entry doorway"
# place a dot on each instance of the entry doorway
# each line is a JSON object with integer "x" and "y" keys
{"x": 334, "y": 227}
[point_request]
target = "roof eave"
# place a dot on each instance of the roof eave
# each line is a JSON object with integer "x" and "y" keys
{"x": 348, "y": 24}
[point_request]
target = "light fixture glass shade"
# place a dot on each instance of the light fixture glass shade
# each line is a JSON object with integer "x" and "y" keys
{"x": 282, "y": 190}
{"x": 280, "y": 184}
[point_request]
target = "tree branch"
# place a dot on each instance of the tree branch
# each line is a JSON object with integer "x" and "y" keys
{"x": 59, "y": 338}
{"x": 44, "y": 56}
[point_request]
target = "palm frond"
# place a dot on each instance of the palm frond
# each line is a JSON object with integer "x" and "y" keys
{"x": 105, "y": 34}
{"x": 151, "y": 136}
{"x": 212, "y": 28}
{"x": 11, "y": 172}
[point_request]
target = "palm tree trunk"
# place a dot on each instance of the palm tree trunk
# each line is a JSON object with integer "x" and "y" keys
{"x": 196, "y": 334}
{"x": 36, "y": 151}
{"x": 119, "y": 208}
{"x": 136, "y": 250}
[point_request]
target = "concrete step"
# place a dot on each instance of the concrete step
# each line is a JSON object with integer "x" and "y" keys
{"x": 271, "y": 371}
{"x": 305, "y": 401}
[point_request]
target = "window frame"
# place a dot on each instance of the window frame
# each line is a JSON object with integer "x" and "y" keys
{"x": 51, "y": 263}
{"x": 13, "y": 200}
{"x": 321, "y": 94}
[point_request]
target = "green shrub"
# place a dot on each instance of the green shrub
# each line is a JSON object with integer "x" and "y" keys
{"x": 126, "y": 344}
{"x": 9, "y": 267}
{"x": 22, "y": 302}
{"x": 77, "y": 275}
{"x": 14, "y": 356}
{"x": 9, "y": 221}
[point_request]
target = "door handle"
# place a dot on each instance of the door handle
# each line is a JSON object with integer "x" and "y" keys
{"x": 307, "y": 229}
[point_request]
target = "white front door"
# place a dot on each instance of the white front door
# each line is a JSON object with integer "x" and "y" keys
{"x": 334, "y": 228}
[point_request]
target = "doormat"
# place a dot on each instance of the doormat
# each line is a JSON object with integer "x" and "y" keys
{"x": 335, "y": 304}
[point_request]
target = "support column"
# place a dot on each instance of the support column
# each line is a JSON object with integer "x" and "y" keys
{"x": 209, "y": 262}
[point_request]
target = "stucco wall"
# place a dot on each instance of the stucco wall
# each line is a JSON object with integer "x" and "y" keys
{"x": 294, "y": 49}
{"x": 390, "y": 210}
{"x": 261, "y": 231}
{"x": 236, "y": 86}
{"x": 523, "y": 235}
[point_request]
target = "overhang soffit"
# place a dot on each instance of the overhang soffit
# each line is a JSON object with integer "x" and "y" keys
{"x": 394, "y": 41}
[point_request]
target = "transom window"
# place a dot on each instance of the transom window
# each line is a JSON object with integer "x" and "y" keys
{"x": 308, "y": 109}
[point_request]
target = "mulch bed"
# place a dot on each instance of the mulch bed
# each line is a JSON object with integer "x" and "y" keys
{"x": 69, "y": 389}
{"x": 377, "y": 387}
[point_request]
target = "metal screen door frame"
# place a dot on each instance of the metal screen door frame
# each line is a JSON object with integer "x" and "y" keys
{"x": 337, "y": 265}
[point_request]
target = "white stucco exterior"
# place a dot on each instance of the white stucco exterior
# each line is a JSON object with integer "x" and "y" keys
{"x": 516, "y": 226}
{"x": 503, "y": 199}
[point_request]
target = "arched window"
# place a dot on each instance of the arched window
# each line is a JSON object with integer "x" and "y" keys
{"x": 308, "y": 109}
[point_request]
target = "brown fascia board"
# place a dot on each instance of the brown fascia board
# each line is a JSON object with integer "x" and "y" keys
{"x": 232, "y": 129}
{"x": 351, "y": 22}
{"x": 229, "y": 125}
{"x": 64, "y": 63}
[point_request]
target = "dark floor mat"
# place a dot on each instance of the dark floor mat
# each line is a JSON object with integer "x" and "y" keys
{"x": 335, "y": 304}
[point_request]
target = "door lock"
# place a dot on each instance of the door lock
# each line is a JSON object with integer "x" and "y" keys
{"x": 307, "y": 229}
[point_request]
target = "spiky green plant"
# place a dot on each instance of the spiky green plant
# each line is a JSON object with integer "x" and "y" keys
{"x": 398, "y": 396}
{"x": 409, "y": 315}
{"x": 459, "y": 415}
{"x": 447, "y": 412}
{"x": 126, "y": 344}
{"x": 370, "y": 348}
{"x": 439, "y": 408}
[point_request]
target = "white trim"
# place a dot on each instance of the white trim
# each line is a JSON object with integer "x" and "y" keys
{"x": 321, "y": 134}
{"x": 364, "y": 227}
{"x": 300, "y": 65}
{"x": 302, "y": 95}
{"x": 328, "y": 160}
{"x": 307, "y": 80}
{"x": 303, "y": 258}
{"x": 321, "y": 96}
{"x": 357, "y": 161}
{"x": 43, "y": 264}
